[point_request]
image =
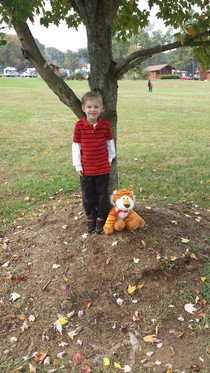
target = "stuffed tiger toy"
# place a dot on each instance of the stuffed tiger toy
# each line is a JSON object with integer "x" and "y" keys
{"x": 122, "y": 215}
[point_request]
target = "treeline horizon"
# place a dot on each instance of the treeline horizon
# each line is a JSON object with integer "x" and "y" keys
{"x": 181, "y": 59}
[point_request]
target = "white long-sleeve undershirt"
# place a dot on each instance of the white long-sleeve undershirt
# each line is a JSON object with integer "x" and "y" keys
{"x": 76, "y": 153}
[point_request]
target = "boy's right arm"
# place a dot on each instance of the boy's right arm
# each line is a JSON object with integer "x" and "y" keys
{"x": 76, "y": 157}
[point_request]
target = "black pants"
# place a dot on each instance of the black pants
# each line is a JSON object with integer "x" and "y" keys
{"x": 95, "y": 197}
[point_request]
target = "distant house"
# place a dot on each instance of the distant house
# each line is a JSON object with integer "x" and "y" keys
{"x": 156, "y": 71}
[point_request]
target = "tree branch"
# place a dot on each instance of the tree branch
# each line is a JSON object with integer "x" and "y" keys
{"x": 55, "y": 83}
{"x": 127, "y": 63}
{"x": 133, "y": 64}
{"x": 79, "y": 8}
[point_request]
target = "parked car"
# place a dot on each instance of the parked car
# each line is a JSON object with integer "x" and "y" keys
{"x": 196, "y": 77}
{"x": 186, "y": 77}
{"x": 30, "y": 73}
{"x": 25, "y": 75}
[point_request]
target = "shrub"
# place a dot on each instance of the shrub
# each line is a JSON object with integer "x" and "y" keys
{"x": 169, "y": 76}
{"x": 77, "y": 76}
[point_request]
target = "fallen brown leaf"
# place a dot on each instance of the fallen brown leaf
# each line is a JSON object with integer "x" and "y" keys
{"x": 178, "y": 334}
{"x": 150, "y": 338}
{"x": 79, "y": 357}
{"x": 39, "y": 357}
{"x": 86, "y": 304}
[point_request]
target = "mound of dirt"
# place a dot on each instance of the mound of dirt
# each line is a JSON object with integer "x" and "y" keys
{"x": 137, "y": 298}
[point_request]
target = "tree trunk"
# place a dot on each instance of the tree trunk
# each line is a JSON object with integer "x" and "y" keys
{"x": 99, "y": 34}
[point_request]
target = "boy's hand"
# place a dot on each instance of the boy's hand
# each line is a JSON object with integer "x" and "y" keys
{"x": 80, "y": 173}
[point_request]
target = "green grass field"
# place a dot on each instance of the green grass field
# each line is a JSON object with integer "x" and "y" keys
{"x": 162, "y": 146}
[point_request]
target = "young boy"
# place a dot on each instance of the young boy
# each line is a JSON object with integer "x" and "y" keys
{"x": 93, "y": 150}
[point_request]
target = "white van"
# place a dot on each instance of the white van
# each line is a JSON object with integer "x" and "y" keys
{"x": 30, "y": 73}
{"x": 10, "y": 72}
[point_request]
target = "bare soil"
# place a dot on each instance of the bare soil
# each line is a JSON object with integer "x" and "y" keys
{"x": 58, "y": 270}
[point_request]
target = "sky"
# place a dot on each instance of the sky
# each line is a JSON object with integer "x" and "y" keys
{"x": 63, "y": 38}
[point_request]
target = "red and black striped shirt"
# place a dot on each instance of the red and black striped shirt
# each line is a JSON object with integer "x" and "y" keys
{"x": 94, "y": 153}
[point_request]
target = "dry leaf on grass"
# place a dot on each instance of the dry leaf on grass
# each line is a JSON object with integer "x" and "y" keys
{"x": 79, "y": 357}
{"x": 85, "y": 369}
{"x": 126, "y": 368}
{"x": 74, "y": 332}
{"x": 190, "y": 308}
{"x": 106, "y": 361}
{"x": 62, "y": 321}
{"x": 150, "y": 338}
{"x": 131, "y": 289}
{"x": 39, "y": 357}
{"x": 185, "y": 240}
{"x": 14, "y": 297}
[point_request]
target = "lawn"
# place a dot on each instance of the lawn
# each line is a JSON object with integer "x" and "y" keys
{"x": 163, "y": 146}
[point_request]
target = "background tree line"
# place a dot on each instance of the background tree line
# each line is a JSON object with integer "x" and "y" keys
{"x": 181, "y": 59}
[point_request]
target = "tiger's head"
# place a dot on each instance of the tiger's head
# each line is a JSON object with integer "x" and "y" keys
{"x": 123, "y": 199}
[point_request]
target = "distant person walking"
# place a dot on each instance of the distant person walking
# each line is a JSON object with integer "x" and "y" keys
{"x": 150, "y": 85}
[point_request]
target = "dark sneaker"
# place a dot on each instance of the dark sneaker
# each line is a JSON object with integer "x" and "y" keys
{"x": 99, "y": 225}
{"x": 90, "y": 226}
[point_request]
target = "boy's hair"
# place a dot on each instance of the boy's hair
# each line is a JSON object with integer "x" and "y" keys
{"x": 91, "y": 95}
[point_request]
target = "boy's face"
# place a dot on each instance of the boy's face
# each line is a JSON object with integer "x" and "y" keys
{"x": 92, "y": 108}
